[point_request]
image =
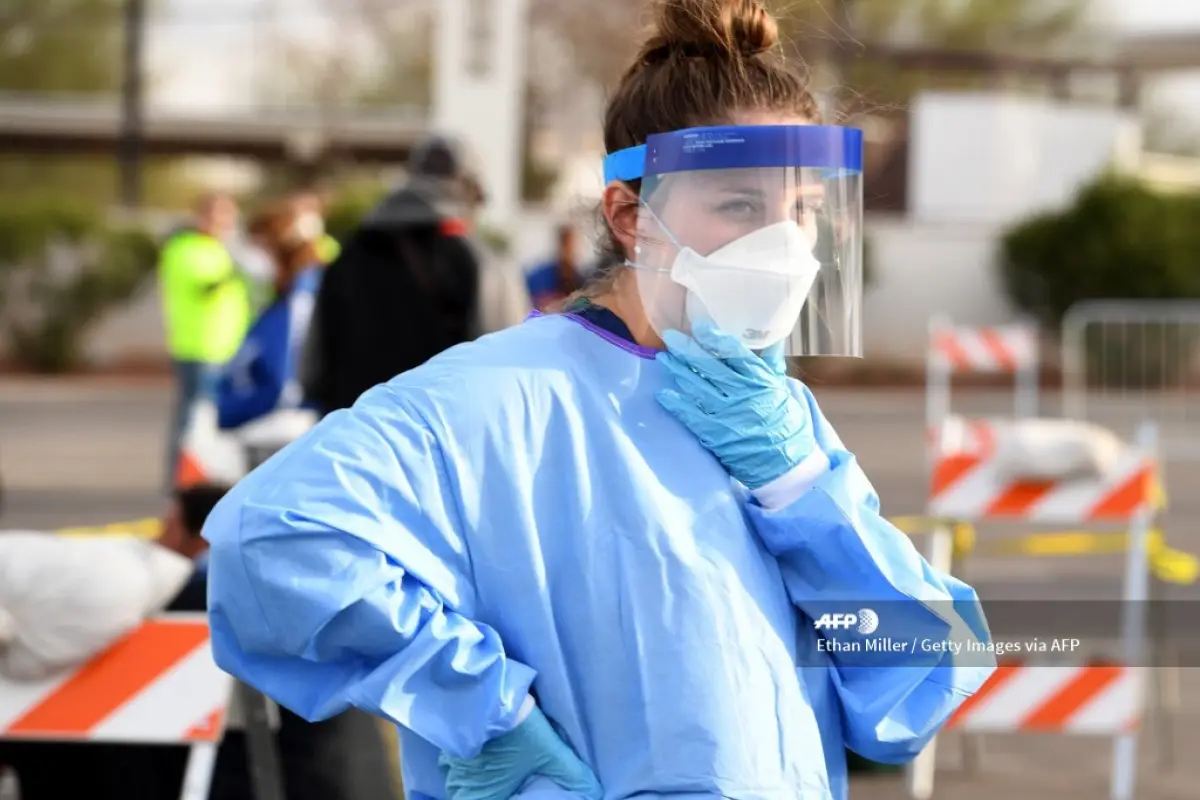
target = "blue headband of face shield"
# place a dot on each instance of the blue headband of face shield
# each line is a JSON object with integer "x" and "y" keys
{"x": 834, "y": 150}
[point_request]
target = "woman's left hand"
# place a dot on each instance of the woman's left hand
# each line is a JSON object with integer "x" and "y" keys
{"x": 737, "y": 404}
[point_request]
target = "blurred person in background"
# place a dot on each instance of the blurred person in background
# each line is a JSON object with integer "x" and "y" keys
{"x": 589, "y": 555}
{"x": 179, "y": 531}
{"x": 553, "y": 281}
{"x": 407, "y": 285}
{"x": 207, "y": 304}
{"x": 263, "y": 376}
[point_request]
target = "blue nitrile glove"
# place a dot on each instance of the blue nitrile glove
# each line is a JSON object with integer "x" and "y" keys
{"x": 504, "y": 765}
{"x": 737, "y": 404}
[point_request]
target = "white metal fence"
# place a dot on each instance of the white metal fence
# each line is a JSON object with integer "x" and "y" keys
{"x": 1125, "y": 361}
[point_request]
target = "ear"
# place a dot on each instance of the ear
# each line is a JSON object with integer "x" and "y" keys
{"x": 621, "y": 213}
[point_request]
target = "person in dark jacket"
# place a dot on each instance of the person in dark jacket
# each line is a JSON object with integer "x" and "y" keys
{"x": 405, "y": 286}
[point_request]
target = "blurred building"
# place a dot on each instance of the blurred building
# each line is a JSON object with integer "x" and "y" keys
{"x": 976, "y": 163}
{"x": 945, "y": 176}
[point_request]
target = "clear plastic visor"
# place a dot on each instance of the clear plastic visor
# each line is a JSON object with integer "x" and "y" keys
{"x": 771, "y": 255}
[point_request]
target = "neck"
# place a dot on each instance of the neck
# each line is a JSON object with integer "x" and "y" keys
{"x": 622, "y": 299}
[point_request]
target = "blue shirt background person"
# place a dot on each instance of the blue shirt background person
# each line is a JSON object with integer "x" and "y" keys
{"x": 554, "y": 280}
{"x": 264, "y": 374}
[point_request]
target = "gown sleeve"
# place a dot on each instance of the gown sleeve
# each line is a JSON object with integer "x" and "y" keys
{"x": 838, "y": 556}
{"x": 339, "y": 577}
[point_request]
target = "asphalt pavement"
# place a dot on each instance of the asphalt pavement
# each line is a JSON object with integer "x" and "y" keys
{"x": 83, "y": 453}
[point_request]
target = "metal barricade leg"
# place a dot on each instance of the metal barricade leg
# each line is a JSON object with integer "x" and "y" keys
{"x": 970, "y": 743}
{"x": 1136, "y": 596}
{"x": 1163, "y": 676}
{"x": 197, "y": 780}
{"x": 266, "y": 777}
{"x": 1170, "y": 700}
{"x": 940, "y": 555}
{"x": 9, "y": 789}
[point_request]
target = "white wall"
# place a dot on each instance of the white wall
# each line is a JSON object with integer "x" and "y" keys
{"x": 979, "y": 157}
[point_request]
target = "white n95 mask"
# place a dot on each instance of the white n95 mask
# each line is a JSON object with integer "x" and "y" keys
{"x": 308, "y": 227}
{"x": 753, "y": 288}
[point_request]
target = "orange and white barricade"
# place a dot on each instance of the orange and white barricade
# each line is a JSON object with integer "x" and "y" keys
{"x": 206, "y": 453}
{"x": 969, "y": 484}
{"x": 211, "y": 455}
{"x": 157, "y": 686}
{"x": 1083, "y": 699}
{"x": 956, "y": 350}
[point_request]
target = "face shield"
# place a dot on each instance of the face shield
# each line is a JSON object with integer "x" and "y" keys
{"x": 756, "y": 229}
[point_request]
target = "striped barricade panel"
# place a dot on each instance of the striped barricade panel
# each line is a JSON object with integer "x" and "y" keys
{"x": 1103, "y": 700}
{"x": 967, "y": 485}
{"x": 158, "y": 685}
{"x": 999, "y": 350}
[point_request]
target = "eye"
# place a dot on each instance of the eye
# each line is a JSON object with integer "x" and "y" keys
{"x": 739, "y": 208}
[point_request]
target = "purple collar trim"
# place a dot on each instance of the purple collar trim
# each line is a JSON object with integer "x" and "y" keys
{"x": 630, "y": 347}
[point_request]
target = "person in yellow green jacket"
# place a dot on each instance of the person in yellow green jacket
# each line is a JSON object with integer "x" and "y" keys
{"x": 206, "y": 307}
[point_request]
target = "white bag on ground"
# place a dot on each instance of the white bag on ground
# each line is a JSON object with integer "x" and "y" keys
{"x": 1055, "y": 450}
{"x": 62, "y": 600}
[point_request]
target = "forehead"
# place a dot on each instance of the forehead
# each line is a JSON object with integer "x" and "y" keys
{"x": 764, "y": 117}
{"x": 792, "y": 180}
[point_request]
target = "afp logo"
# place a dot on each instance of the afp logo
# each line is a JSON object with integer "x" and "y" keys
{"x": 865, "y": 621}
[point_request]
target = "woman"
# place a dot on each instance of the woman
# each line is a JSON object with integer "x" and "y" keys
{"x": 654, "y": 547}
{"x": 262, "y": 377}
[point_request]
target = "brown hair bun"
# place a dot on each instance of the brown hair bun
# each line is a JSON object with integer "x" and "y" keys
{"x": 710, "y": 28}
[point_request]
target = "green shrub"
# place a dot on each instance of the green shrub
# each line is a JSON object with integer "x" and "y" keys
{"x": 61, "y": 270}
{"x": 1119, "y": 240}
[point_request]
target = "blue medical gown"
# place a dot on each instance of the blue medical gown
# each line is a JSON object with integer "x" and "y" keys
{"x": 520, "y": 513}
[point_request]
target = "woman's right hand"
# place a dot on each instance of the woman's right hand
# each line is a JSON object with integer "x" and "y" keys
{"x": 508, "y": 762}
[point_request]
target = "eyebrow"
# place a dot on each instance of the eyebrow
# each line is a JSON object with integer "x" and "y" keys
{"x": 741, "y": 190}
{"x": 806, "y": 190}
